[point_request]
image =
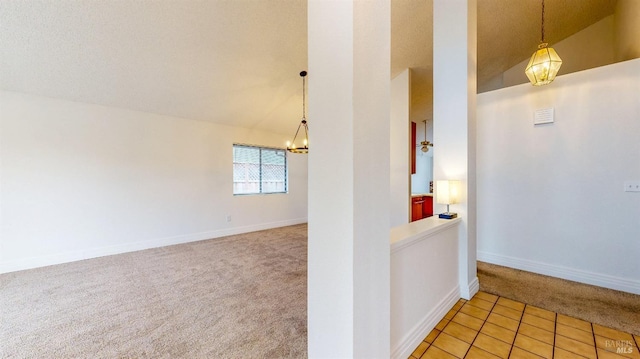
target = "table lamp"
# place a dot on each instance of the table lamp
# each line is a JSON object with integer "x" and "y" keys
{"x": 447, "y": 192}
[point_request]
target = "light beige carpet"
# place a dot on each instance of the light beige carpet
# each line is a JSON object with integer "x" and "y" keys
{"x": 241, "y": 296}
{"x": 598, "y": 305}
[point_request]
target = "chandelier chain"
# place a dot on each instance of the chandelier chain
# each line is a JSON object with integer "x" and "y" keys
{"x": 304, "y": 111}
{"x": 542, "y": 26}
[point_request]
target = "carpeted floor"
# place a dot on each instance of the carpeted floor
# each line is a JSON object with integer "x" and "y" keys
{"x": 241, "y": 296}
{"x": 598, "y": 305}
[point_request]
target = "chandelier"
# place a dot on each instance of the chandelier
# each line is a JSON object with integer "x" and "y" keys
{"x": 545, "y": 63}
{"x": 291, "y": 145}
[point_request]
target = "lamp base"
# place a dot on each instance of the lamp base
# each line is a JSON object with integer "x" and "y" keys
{"x": 448, "y": 215}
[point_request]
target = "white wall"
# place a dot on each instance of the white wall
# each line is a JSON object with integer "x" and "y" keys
{"x": 349, "y": 179}
{"x": 80, "y": 180}
{"x": 419, "y": 297}
{"x": 454, "y": 115}
{"x": 550, "y": 197}
{"x": 399, "y": 133}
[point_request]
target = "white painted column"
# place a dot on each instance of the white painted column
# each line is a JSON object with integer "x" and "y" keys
{"x": 454, "y": 112}
{"x": 400, "y": 147}
{"x": 349, "y": 249}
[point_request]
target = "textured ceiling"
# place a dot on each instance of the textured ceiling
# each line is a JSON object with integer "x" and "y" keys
{"x": 234, "y": 61}
{"x": 231, "y": 62}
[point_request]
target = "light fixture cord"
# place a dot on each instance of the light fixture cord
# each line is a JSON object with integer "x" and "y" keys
{"x": 304, "y": 111}
{"x": 542, "y": 26}
{"x": 425, "y": 130}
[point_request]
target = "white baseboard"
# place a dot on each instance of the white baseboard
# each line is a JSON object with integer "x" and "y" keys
{"x": 470, "y": 290}
{"x": 576, "y": 275}
{"x": 72, "y": 256}
{"x": 412, "y": 339}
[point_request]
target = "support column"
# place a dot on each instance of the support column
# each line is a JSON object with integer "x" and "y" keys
{"x": 454, "y": 113}
{"x": 349, "y": 250}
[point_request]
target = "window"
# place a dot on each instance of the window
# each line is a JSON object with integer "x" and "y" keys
{"x": 259, "y": 170}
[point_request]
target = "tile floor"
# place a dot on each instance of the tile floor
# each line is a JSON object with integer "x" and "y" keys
{"x": 488, "y": 326}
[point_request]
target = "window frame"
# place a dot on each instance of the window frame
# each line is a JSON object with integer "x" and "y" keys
{"x": 260, "y": 169}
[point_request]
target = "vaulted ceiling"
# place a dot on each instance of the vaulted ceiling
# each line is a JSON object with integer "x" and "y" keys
{"x": 233, "y": 62}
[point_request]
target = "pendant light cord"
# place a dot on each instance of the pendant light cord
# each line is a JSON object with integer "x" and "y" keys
{"x": 542, "y": 26}
{"x": 304, "y": 108}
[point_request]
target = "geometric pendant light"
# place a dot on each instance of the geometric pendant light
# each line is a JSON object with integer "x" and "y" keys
{"x": 291, "y": 145}
{"x": 544, "y": 64}
{"x": 424, "y": 145}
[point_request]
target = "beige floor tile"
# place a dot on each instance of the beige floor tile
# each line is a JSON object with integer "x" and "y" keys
{"x": 461, "y": 332}
{"x": 468, "y": 321}
{"x": 611, "y": 333}
{"x": 539, "y": 312}
{"x": 539, "y": 322}
{"x": 481, "y": 303}
{"x": 603, "y": 354}
{"x": 498, "y": 332}
{"x": 604, "y": 343}
{"x": 443, "y": 323}
{"x": 437, "y": 353}
{"x": 458, "y": 305}
{"x": 559, "y": 353}
{"x": 420, "y": 349}
{"x": 450, "y": 314}
{"x": 492, "y": 345}
{"x": 486, "y": 296}
{"x": 457, "y": 336}
{"x": 474, "y": 311}
{"x": 574, "y": 322}
{"x": 574, "y": 333}
{"x": 534, "y": 346}
{"x": 432, "y": 336}
{"x": 507, "y": 312}
{"x": 625, "y": 348}
{"x": 477, "y": 353}
{"x": 451, "y": 345}
{"x": 503, "y": 321}
{"x": 631, "y": 352}
{"x": 518, "y": 353}
{"x": 511, "y": 304}
{"x": 536, "y": 333}
{"x": 576, "y": 347}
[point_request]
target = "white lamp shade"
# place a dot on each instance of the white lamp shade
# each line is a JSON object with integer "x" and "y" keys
{"x": 447, "y": 191}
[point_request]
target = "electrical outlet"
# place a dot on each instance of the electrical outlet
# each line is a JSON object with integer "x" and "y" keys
{"x": 228, "y": 218}
{"x": 632, "y": 186}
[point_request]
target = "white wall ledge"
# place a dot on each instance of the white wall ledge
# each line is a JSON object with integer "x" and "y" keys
{"x": 407, "y": 234}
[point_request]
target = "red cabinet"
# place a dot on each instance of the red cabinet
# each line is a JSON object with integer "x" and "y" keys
{"x": 421, "y": 207}
{"x": 416, "y": 208}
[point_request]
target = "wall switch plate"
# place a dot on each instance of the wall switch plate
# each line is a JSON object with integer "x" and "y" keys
{"x": 543, "y": 115}
{"x": 632, "y": 186}
{"x": 228, "y": 218}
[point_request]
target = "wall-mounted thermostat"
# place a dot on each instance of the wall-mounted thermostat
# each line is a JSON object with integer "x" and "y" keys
{"x": 543, "y": 115}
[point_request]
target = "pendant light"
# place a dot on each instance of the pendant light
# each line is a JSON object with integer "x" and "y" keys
{"x": 544, "y": 64}
{"x": 424, "y": 145}
{"x": 291, "y": 146}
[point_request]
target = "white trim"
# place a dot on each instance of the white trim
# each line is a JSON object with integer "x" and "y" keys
{"x": 408, "y": 234}
{"x": 416, "y": 335}
{"x": 576, "y": 275}
{"x": 72, "y": 256}
{"x": 470, "y": 290}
